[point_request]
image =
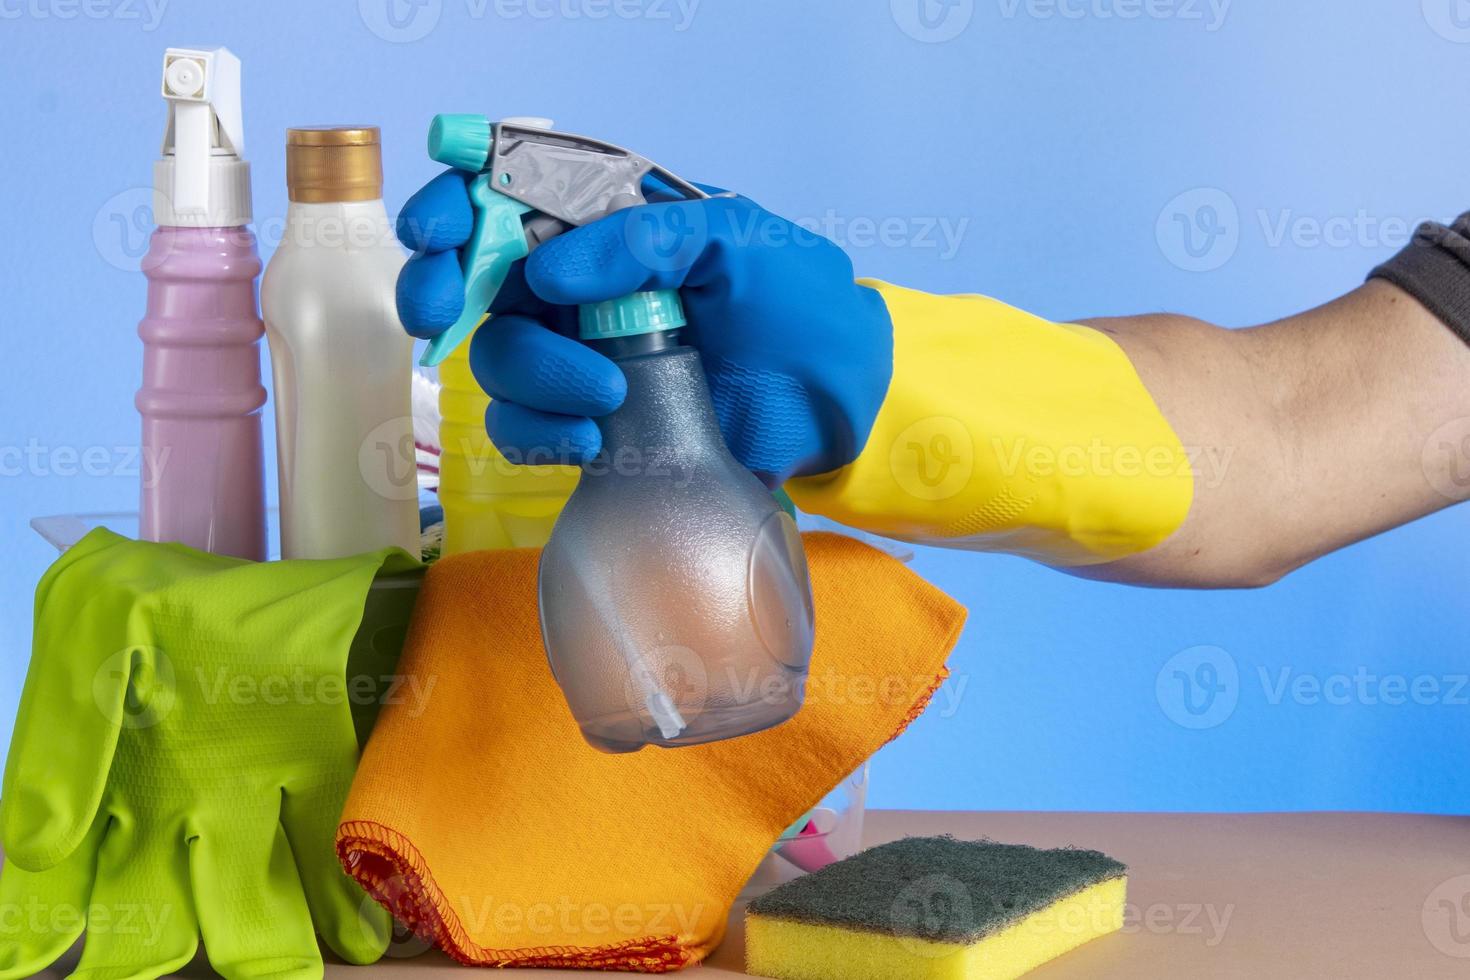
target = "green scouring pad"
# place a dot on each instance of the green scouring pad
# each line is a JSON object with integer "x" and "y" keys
{"x": 935, "y": 907}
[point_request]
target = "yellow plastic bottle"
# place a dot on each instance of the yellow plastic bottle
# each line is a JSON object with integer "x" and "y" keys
{"x": 489, "y": 502}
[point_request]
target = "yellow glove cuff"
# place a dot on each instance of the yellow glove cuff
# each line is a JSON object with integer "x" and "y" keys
{"x": 1005, "y": 432}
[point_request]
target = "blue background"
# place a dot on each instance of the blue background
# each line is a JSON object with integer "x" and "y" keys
{"x": 1057, "y": 137}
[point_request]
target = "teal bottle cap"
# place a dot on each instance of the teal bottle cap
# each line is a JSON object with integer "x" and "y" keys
{"x": 460, "y": 140}
{"x": 628, "y": 316}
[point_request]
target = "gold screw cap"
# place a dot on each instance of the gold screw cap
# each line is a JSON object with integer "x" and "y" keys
{"x": 334, "y": 163}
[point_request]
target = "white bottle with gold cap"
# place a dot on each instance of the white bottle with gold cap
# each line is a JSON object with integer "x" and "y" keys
{"x": 342, "y": 361}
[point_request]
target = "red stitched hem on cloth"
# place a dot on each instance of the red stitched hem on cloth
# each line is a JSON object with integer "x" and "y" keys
{"x": 394, "y": 873}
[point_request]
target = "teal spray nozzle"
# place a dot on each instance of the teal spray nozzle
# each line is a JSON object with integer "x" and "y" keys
{"x": 530, "y": 184}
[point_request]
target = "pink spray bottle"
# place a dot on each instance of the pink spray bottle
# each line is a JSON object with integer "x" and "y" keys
{"x": 201, "y": 400}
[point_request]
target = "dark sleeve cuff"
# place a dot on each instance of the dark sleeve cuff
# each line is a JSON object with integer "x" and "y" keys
{"x": 1434, "y": 268}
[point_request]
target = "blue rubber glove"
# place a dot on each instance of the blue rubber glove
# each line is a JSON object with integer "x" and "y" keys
{"x": 798, "y": 355}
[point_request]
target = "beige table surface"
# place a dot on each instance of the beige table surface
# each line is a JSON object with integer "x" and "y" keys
{"x": 1340, "y": 896}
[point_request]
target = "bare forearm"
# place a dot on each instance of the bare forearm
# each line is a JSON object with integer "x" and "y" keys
{"x": 1306, "y": 434}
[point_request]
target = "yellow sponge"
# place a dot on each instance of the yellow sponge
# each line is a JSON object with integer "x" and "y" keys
{"x": 935, "y": 908}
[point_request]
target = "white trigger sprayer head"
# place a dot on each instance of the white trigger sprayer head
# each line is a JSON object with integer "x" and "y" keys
{"x": 202, "y": 180}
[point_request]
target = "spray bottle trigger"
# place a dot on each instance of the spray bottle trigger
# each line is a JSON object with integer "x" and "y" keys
{"x": 497, "y": 242}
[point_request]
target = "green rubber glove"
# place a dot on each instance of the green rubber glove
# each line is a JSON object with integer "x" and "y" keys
{"x": 182, "y": 752}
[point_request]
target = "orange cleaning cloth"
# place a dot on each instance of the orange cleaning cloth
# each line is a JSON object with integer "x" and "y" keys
{"x": 481, "y": 818}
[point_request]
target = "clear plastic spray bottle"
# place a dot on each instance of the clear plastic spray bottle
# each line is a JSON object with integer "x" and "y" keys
{"x": 675, "y": 602}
